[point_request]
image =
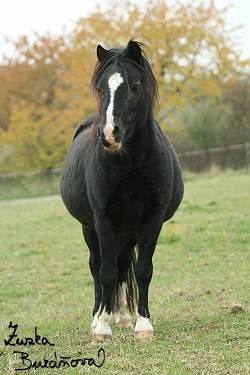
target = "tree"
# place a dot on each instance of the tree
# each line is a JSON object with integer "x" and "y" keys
{"x": 193, "y": 58}
{"x": 38, "y": 125}
{"x": 5, "y": 99}
{"x": 236, "y": 96}
{"x": 205, "y": 125}
{"x": 193, "y": 51}
{"x": 35, "y": 143}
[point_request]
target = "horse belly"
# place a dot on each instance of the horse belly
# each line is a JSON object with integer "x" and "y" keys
{"x": 74, "y": 196}
{"x": 74, "y": 190}
{"x": 124, "y": 212}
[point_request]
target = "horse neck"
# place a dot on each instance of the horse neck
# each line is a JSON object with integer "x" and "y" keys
{"x": 144, "y": 139}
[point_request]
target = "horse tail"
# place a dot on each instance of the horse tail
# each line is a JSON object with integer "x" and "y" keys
{"x": 131, "y": 288}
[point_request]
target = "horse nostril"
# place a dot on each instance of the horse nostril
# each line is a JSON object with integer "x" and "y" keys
{"x": 116, "y": 130}
{"x": 98, "y": 132}
{"x": 105, "y": 143}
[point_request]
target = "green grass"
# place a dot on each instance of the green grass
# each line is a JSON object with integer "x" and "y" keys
{"x": 199, "y": 295}
{"x": 29, "y": 184}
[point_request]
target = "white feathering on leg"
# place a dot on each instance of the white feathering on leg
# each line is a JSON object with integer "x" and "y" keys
{"x": 103, "y": 330}
{"x": 123, "y": 318}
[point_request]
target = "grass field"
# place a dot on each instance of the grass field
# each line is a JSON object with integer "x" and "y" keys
{"x": 29, "y": 184}
{"x": 199, "y": 295}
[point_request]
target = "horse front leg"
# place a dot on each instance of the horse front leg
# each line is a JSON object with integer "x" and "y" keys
{"x": 108, "y": 277}
{"x": 147, "y": 240}
{"x": 91, "y": 240}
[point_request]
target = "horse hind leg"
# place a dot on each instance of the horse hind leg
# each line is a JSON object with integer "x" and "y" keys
{"x": 126, "y": 288}
{"x": 122, "y": 317}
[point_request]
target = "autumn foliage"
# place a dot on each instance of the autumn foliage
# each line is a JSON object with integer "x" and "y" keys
{"x": 45, "y": 87}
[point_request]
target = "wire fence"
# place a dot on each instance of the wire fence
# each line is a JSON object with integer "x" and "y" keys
{"x": 232, "y": 156}
{"x": 46, "y": 173}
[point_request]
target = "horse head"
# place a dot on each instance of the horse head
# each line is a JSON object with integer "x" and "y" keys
{"x": 126, "y": 90}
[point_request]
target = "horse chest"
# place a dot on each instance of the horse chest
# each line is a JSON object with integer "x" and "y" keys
{"x": 124, "y": 210}
{"x": 128, "y": 200}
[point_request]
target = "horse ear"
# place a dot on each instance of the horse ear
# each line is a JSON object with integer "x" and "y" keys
{"x": 133, "y": 51}
{"x": 101, "y": 52}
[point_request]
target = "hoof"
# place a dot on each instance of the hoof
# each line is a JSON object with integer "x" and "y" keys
{"x": 100, "y": 337}
{"x": 124, "y": 323}
{"x": 102, "y": 330}
{"x": 144, "y": 334}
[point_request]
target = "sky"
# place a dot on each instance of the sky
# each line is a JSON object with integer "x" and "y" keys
{"x": 24, "y": 17}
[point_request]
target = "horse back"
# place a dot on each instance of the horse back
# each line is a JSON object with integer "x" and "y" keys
{"x": 85, "y": 124}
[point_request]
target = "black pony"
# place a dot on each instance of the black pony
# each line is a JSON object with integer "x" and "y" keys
{"x": 121, "y": 181}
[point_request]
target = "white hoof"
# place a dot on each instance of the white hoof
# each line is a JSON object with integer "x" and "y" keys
{"x": 124, "y": 323}
{"x": 123, "y": 320}
{"x": 100, "y": 337}
{"x": 144, "y": 334}
{"x": 143, "y": 328}
{"x": 102, "y": 331}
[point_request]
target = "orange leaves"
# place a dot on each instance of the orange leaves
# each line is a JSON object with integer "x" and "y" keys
{"x": 45, "y": 87}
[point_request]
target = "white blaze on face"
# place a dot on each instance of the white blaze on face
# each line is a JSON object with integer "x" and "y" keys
{"x": 114, "y": 82}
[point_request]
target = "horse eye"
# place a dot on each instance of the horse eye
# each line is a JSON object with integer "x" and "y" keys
{"x": 135, "y": 88}
{"x": 99, "y": 92}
